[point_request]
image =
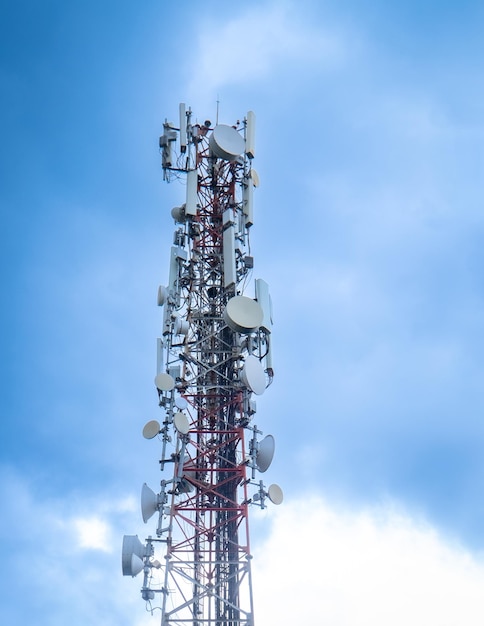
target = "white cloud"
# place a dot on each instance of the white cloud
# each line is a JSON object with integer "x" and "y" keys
{"x": 68, "y": 553}
{"x": 259, "y": 42}
{"x": 321, "y": 565}
{"x": 317, "y": 563}
{"x": 96, "y": 531}
{"x": 93, "y": 532}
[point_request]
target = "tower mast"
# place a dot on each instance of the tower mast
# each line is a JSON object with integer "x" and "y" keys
{"x": 213, "y": 357}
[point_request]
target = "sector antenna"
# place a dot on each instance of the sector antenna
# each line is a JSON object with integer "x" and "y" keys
{"x": 214, "y": 355}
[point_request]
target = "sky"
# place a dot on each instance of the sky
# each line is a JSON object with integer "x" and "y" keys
{"x": 369, "y": 223}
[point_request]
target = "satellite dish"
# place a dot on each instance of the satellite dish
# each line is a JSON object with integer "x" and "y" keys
{"x": 265, "y": 454}
{"x": 253, "y": 375}
{"x": 275, "y": 494}
{"x": 162, "y": 295}
{"x": 181, "y": 423}
{"x": 132, "y": 555}
{"x": 164, "y": 382}
{"x": 181, "y": 403}
{"x": 149, "y": 502}
{"x": 255, "y": 177}
{"x": 243, "y": 314}
{"x": 226, "y": 143}
{"x": 151, "y": 429}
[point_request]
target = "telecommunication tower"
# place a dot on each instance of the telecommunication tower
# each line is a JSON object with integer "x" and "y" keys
{"x": 213, "y": 356}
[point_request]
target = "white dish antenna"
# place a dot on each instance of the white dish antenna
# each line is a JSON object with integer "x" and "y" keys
{"x": 149, "y": 502}
{"x": 132, "y": 555}
{"x": 243, "y": 314}
{"x": 253, "y": 375}
{"x": 151, "y": 429}
{"x": 181, "y": 403}
{"x": 275, "y": 495}
{"x": 178, "y": 214}
{"x": 181, "y": 423}
{"x": 164, "y": 382}
{"x": 265, "y": 453}
{"x": 226, "y": 143}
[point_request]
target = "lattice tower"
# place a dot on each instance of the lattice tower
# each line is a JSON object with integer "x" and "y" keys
{"x": 213, "y": 356}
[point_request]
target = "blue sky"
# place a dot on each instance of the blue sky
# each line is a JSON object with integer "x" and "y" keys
{"x": 369, "y": 228}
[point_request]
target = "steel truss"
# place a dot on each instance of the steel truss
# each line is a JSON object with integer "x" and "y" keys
{"x": 208, "y": 544}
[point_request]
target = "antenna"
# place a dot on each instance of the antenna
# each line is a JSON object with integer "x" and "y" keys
{"x": 275, "y": 495}
{"x": 181, "y": 423}
{"x": 266, "y": 453}
{"x": 151, "y": 429}
{"x": 213, "y": 358}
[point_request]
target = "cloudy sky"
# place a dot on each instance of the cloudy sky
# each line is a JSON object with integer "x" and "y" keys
{"x": 369, "y": 229}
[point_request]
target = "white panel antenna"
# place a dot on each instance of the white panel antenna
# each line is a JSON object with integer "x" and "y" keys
{"x": 248, "y": 201}
{"x": 230, "y": 272}
{"x": 162, "y": 295}
{"x": 250, "y": 135}
{"x": 160, "y": 360}
{"x": 192, "y": 193}
{"x": 183, "y": 127}
{"x": 264, "y": 299}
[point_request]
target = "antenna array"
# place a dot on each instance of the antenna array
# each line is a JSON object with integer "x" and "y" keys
{"x": 213, "y": 357}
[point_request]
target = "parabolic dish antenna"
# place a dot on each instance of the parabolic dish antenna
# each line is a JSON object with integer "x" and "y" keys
{"x": 178, "y": 214}
{"x": 266, "y": 453}
{"x": 164, "y": 382}
{"x": 151, "y": 429}
{"x": 180, "y": 421}
{"x": 132, "y": 555}
{"x": 253, "y": 375}
{"x": 226, "y": 143}
{"x": 181, "y": 403}
{"x": 275, "y": 494}
{"x": 149, "y": 502}
{"x": 243, "y": 314}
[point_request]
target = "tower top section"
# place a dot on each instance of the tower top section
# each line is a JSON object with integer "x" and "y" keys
{"x": 180, "y": 143}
